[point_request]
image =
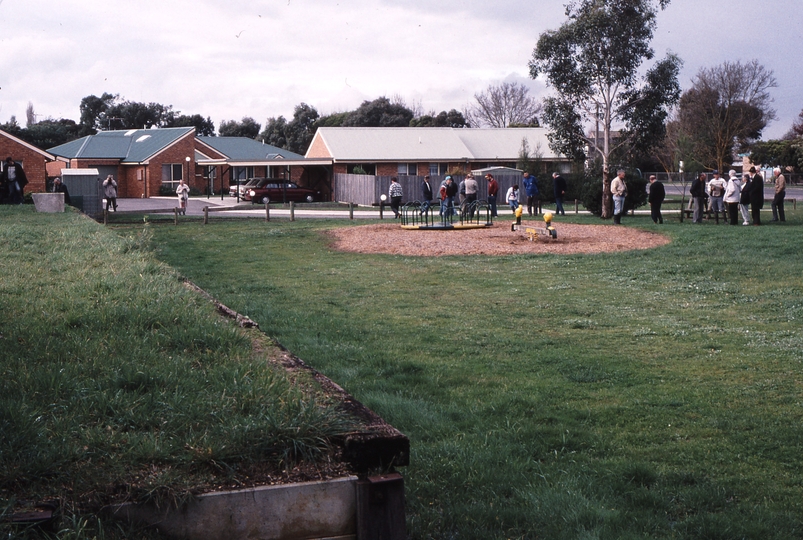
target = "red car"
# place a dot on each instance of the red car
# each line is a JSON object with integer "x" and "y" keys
{"x": 278, "y": 191}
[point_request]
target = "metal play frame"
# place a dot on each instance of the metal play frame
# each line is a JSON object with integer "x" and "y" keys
{"x": 476, "y": 215}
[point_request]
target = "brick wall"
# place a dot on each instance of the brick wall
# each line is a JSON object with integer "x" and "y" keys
{"x": 33, "y": 163}
{"x": 174, "y": 154}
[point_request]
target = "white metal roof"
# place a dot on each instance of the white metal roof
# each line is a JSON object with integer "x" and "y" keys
{"x": 428, "y": 144}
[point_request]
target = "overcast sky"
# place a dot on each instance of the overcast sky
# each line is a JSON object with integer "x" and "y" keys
{"x": 232, "y": 58}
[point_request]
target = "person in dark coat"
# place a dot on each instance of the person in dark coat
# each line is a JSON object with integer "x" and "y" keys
{"x": 15, "y": 180}
{"x": 756, "y": 195}
{"x": 697, "y": 192}
{"x": 59, "y": 187}
{"x": 656, "y": 199}
{"x": 426, "y": 194}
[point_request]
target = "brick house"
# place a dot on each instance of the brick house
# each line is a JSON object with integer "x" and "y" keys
{"x": 143, "y": 161}
{"x": 223, "y": 161}
{"x": 33, "y": 160}
{"x": 412, "y": 151}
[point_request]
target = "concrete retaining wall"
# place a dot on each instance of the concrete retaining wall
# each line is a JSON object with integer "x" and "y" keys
{"x": 306, "y": 511}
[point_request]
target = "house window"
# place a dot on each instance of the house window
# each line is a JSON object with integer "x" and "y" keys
{"x": 242, "y": 173}
{"x": 438, "y": 169}
{"x": 172, "y": 173}
{"x": 407, "y": 169}
{"x": 361, "y": 168}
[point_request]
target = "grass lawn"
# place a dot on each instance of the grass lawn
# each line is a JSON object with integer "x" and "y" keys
{"x": 119, "y": 383}
{"x": 650, "y": 394}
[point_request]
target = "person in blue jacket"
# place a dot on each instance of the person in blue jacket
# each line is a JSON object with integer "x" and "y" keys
{"x": 530, "y": 184}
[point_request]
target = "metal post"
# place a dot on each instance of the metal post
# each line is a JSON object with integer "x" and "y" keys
{"x": 206, "y": 215}
{"x": 576, "y": 207}
{"x": 292, "y": 211}
{"x": 351, "y": 210}
{"x": 267, "y": 212}
{"x": 381, "y": 211}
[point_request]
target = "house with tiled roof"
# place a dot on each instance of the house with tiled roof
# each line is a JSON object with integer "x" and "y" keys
{"x": 434, "y": 151}
{"x": 141, "y": 160}
{"x": 33, "y": 160}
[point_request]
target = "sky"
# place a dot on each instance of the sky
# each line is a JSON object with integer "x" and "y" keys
{"x": 227, "y": 59}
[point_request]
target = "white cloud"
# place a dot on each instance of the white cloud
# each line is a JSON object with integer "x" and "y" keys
{"x": 229, "y": 59}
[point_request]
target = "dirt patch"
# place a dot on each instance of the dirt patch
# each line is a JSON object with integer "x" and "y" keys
{"x": 497, "y": 240}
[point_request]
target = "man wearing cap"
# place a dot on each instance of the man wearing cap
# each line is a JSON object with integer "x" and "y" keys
{"x": 716, "y": 190}
{"x": 780, "y": 194}
{"x": 448, "y": 191}
{"x": 656, "y": 199}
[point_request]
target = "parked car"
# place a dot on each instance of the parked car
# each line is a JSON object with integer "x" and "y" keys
{"x": 244, "y": 186}
{"x": 274, "y": 191}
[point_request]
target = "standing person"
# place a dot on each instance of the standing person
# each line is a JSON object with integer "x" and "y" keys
{"x": 472, "y": 188}
{"x": 395, "y": 193}
{"x": 530, "y": 184}
{"x": 183, "y": 193}
{"x": 697, "y": 192}
{"x": 780, "y": 194}
{"x": 732, "y": 194}
{"x": 462, "y": 191}
{"x": 15, "y": 180}
{"x": 110, "y": 192}
{"x": 59, "y": 187}
{"x": 744, "y": 199}
{"x": 756, "y": 195}
{"x": 426, "y": 194}
{"x": 512, "y": 197}
{"x": 656, "y": 199}
{"x": 619, "y": 191}
{"x": 448, "y": 191}
{"x": 716, "y": 190}
{"x": 559, "y": 187}
{"x": 493, "y": 189}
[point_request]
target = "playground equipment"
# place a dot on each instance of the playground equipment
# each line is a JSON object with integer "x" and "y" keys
{"x": 549, "y": 232}
{"x": 476, "y": 215}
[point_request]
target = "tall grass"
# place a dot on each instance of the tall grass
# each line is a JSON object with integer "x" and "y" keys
{"x": 119, "y": 383}
{"x": 642, "y": 394}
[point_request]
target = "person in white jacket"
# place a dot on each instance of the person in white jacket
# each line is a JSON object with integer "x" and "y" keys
{"x": 733, "y": 191}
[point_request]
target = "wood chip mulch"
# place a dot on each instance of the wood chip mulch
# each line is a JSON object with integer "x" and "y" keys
{"x": 391, "y": 239}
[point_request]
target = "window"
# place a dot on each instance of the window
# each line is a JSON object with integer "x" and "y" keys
{"x": 438, "y": 169}
{"x": 171, "y": 174}
{"x": 407, "y": 169}
{"x": 241, "y": 173}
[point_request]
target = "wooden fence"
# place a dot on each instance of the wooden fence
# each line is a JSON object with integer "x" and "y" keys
{"x": 366, "y": 189}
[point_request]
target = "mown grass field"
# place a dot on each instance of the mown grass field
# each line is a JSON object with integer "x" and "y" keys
{"x": 649, "y": 394}
{"x": 118, "y": 383}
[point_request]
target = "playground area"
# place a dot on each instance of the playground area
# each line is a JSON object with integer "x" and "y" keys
{"x": 497, "y": 240}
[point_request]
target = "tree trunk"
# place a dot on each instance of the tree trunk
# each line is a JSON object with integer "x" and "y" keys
{"x": 607, "y": 206}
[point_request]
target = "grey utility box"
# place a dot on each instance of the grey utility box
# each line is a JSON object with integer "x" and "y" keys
{"x": 86, "y": 190}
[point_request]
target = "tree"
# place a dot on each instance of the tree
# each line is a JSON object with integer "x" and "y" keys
{"x": 203, "y": 126}
{"x": 592, "y": 61}
{"x": 726, "y": 108}
{"x": 785, "y": 153}
{"x": 453, "y": 119}
{"x": 295, "y": 135}
{"x": 93, "y": 110}
{"x": 380, "y": 113}
{"x": 503, "y": 105}
{"x": 30, "y": 115}
{"x": 247, "y": 127}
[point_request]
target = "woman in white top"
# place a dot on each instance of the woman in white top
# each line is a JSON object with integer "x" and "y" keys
{"x": 183, "y": 192}
{"x": 733, "y": 191}
{"x": 512, "y": 197}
